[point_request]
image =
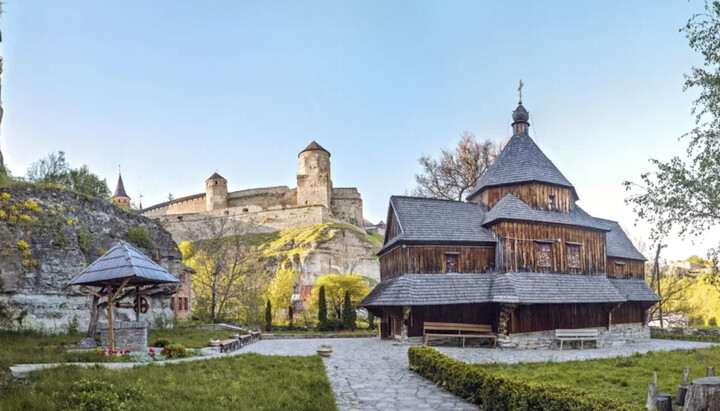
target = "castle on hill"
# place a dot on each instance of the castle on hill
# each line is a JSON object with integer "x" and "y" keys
{"x": 313, "y": 201}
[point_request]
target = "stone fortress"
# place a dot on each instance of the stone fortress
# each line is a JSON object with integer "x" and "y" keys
{"x": 268, "y": 209}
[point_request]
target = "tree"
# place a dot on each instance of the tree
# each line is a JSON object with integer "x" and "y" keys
{"x": 322, "y": 309}
{"x": 281, "y": 286}
{"x": 685, "y": 195}
{"x": 335, "y": 286}
{"x": 371, "y": 320}
{"x": 348, "y": 313}
{"x": 456, "y": 172}
{"x": 268, "y": 316}
{"x": 55, "y": 169}
{"x": 290, "y": 317}
{"x": 231, "y": 279}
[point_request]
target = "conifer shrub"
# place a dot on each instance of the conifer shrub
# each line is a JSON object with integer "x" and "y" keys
{"x": 268, "y": 316}
{"x": 348, "y": 313}
{"x": 712, "y": 322}
{"x": 290, "y": 315}
{"x": 371, "y": 320}
{"x": 491, "y": 391}
{"x": 322, "y": 310}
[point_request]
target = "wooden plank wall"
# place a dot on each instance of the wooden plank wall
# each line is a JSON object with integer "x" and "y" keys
{"x": 458, "y": 313}
{"x": 630, "y": 312}
{"x": 393, "y": 227}
{"x": 544, "y": 317}
{"x": 631, "y": 268}
{"x": 592, "y": 250}
{"x": 536, "y": 195}
{"x": 431, "y": 260}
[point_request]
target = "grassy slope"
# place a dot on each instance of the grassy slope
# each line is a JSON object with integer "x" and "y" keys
{"x": 189, "y": 337}
{"x": 248, "y": 381}
{"x": 620, "y": 378}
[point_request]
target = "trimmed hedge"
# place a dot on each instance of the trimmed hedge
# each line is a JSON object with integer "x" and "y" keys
{"x": 498, "y": 392}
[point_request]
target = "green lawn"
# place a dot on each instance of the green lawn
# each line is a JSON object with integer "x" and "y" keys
{"x": 355, "y": 332}
{"x": 621, "y": 378}
{"x": 189, "y": 337}
{"x": 248, "y": 382}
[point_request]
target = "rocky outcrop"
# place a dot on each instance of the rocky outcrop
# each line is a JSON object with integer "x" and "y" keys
{"x": 49, "y": 235}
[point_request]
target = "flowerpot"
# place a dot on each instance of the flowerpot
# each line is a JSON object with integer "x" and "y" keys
{"x": 214, "y": 343}
{"x": 324, "y": 352}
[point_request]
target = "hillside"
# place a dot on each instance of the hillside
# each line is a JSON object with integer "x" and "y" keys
{"x": 48, "y": 235}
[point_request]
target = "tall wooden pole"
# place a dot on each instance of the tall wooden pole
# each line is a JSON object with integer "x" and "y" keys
{"x": 111, "y": 327}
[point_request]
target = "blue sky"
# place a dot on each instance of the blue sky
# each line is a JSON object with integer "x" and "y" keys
{"x": 176, "y": 90}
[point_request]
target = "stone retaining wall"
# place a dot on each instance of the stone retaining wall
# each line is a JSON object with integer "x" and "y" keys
{"x": 689, "y": 331}
{"x": 129, "y": 335}
{"x": 617, "y": 335}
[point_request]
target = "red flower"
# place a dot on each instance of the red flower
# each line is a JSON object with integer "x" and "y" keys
{"x": 127, "y": 351}
{"x": 152, "y": 352}
{"x": 104, "y": 352}
{"x": 177, "y": 350}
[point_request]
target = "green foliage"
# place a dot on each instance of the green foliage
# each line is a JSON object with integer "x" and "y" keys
{"x": 189, "y": 337}
{"x": 280, "y": 289}
{"x": 493, "y": 391}
{"x": 371, "y": 320}
{"x": 90, "y": 395}
{"x": 85, "y": 238}
{"x": 161, "y": 342}
{"x": 140, "y": 237}
{"x": 268, "y": 316}
{"x": 247, "y": 382}
{"x": 55, "y": 170}
{"x": 322, "y": 309}
{"x": 335, "y": 287}
{"x": 712, "y": 322}
{"x": 668, "y": 335}
{"x": 175, "y": 351}
{"x": 290, "y": 317}
{"x": 348, "y": 313}
{"x": 60, "y": 240}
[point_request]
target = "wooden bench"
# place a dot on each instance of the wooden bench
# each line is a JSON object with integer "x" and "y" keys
{"x": 458, "y": 330}
{"x": 230, "y": 344}
{"x": 255, "y": 335}
{"x": 581, "y": 335}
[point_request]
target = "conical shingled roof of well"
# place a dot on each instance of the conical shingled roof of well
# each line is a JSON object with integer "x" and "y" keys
{"x": 314, "y": 146}
{"x": 521, "y": 161}
{"x": 120, "y": 262}
{"x": 120, "y": 189}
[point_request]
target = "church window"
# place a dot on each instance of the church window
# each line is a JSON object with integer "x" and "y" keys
{"x": 451, "y": 262}
{"x": 543, "y": 254}
{"x": 573, "y": 256}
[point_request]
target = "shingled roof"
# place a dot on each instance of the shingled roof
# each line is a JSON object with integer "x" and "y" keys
{"x": 314, "y": 146}
{"x": 618, "y": 243}
{"x": 438, "y": 221}
{"x": 516, "y": 288}
{"x": 120, "y": 188}
{"x": 521, "y": 161}
{"x": 512, "y": 208}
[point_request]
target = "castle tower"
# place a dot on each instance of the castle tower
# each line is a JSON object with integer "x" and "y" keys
{"x": 216, "y": 192}
{"x": 314, "y": 186}
{"x": 120, "y": 197}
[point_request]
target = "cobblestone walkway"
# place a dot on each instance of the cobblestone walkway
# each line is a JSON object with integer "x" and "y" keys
{"x": 369, "y": 374}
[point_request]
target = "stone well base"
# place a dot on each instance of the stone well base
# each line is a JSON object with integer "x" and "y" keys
{"x": 617, "y": 335}
{"x": 129, "y": 335}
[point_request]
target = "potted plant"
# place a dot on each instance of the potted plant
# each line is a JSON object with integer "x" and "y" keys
{"x": 324, "y": 350}
{"x": 214, "y": 342}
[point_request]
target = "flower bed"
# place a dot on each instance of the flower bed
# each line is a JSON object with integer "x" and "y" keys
{"x": 492, "y": 391}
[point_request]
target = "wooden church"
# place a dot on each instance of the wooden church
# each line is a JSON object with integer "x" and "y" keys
{"x": 519, "y": 258}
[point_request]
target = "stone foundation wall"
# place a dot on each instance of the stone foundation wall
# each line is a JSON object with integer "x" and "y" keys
{"x": 617, "y": 335}
{"x": 690, "y": 331}
{"x": 129, "y": 335}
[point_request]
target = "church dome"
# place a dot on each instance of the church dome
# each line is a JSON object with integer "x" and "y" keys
{"x": 520, "y": 114}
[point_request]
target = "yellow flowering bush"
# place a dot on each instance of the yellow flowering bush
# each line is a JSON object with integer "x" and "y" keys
{"x": 4, "y": 198}
{"x": 24, "y": 247}
{"x": 24, "y": 218}
{"x": 31, "y": 205}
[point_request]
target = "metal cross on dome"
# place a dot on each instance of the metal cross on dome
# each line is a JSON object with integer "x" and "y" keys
{"x": 520, "y": 92}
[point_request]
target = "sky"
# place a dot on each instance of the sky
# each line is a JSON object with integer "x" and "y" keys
{"x": 176, "y": 90}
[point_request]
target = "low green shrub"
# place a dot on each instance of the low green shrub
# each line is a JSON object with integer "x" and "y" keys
{"x": 668, "y": 335}
{"x": 175, "y": 351}
{"x": 491, "y": 391}
{"x": 712, "y": 322}
{"x": 161, "y": 342}
{"x": 140, "y": 237}
{"x": 97, "y": 394}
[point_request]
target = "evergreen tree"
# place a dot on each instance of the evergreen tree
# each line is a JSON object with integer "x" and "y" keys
{"x": 322, "y": 310}
{"x": 290, "y": 314}
{"x": 268, "y": 317}
{"x": 371, "y": 320}
{"x": 348, "y": 313}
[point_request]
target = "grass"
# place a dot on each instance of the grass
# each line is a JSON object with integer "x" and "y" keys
{"x": 248, "y": 381}
{"x": 624, "y": 378}
{"x": 189, "y": 337}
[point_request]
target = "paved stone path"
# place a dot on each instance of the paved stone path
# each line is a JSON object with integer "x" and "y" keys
{"x": 369, "y": 374}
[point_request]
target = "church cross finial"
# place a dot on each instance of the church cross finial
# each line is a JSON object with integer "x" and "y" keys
{"x": 520, "y": 92}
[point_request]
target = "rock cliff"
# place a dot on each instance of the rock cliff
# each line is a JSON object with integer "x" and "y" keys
{"x": 47, "y": 236}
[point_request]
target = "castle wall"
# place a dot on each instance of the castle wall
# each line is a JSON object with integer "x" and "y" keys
{"x": 346, "y": 205}
{"x": 185, "y": 205}
{"x": 262, "y": 198}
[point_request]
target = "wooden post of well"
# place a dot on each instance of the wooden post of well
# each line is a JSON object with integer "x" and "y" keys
{"x": 710, "y": 372}
{"x": 683, "y": 387}
{"x": 651, "y": 402}
{"x": 111, "y": 328}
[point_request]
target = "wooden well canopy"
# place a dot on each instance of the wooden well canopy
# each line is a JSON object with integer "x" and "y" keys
{"x": 120, "y": 267}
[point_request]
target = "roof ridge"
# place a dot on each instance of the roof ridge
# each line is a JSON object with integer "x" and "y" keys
{"x": 431, "y": 199}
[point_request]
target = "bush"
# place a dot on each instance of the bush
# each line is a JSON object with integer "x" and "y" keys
{"x": 268, "y": 316}
{"x": 175, "y": 351}
{"x": 348, "y": 313}
{"x": 371, "y": 320}
{"x": 161, "y": 342}
{"x": 140, "y": 237}
{"x": 712, "y": 322}
{"x": 95, "y": 394}
{"x": 322, "y": 310}
{"x": 498, "y": 392}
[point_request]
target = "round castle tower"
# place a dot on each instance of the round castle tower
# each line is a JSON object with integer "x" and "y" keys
{"x": 216, "y": 192}
{"x": 314, "y": 186}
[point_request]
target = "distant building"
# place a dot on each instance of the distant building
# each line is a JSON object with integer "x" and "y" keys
{"x": 120, "y": 197}
{"x": 375, "y": 228}
{"x": 181, "y": 302}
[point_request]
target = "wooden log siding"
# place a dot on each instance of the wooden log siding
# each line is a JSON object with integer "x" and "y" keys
{"x": 535, "y": 195}
{"x": 628, "y": 313}
{"x": 625, "y": 268}
{"x": 457, "y": 313}
{"x": 546, "y": 317}
{"x": 431, "y": 260}
{"x": 592, "y": 247}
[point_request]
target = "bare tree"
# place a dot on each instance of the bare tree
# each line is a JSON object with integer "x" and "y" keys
{"x": 231, "y": 274}
{"x": 455, "y": 172}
